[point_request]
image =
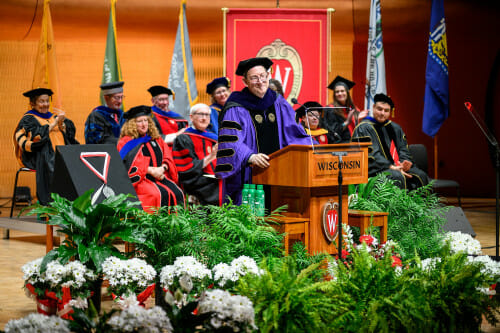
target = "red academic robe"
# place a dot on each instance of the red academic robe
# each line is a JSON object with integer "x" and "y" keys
{"x": 152, "y": 193}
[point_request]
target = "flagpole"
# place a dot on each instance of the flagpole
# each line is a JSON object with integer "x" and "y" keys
{"x": 435, "y": 157}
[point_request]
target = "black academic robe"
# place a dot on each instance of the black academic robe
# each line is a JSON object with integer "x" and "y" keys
{"x": 334, "y": 124}
{"x": 103, "y": 125}
{"x": 35, "y": 147}
{"x": 189, "y": 149}
{"x": 379, "y": 155}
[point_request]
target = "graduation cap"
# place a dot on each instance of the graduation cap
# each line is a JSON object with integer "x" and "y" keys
{"x": 137, "y": 111}
{"x": 301, "y": 112}
{"x": 384, "y": 99}
{"x": 343, "y": 81}
{"x": 158, "y": 90}
{"x": 112, "y": 87}
{"x": 38, "y": 92}
{"x": 245, "y": 65}
{"x": 218, "y": 82}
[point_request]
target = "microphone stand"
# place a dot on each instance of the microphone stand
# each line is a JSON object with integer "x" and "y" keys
{"x": 340, "y": 179}
{"x": 309, "y": 126}
{"x": 494, "y": 144}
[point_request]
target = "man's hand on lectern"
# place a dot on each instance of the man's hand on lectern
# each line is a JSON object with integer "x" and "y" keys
{"x": 260, "y": 160}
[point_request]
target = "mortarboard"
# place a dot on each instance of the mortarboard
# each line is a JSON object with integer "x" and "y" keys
{"x": 301, "y": 111}
{"x": 384, "y": 99}
{"x": 137, "y": 111}
{"x": 112, "y": 88}
{"x": 245, "y": 65}
{"x": 218, "y": 82}
{"x": 158, "y": 90}
{"x": 38, "y": 92}
{"x": 343, "y": 81}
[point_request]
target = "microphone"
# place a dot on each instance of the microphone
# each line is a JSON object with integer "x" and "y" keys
{"x": 295, "y": 101}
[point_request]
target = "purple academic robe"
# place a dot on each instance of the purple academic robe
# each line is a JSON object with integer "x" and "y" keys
{"x": 239, "y": 142}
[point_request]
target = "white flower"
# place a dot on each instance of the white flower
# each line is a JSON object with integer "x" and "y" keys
{"x": 489, "y": 267}
{"x": 232, "y": 310}
{"x": 79, "y": 303}
{"x": 487, "y": 291}
{"x": 129, "y": 274}
{"x": 35, "y": 322}
{"x": 429, "y": 264}
{"x": 184, "y": 266}
{"x": 239, "y": 267}
{"x": 460, "y": 242}
{"x": 135, "y": 318}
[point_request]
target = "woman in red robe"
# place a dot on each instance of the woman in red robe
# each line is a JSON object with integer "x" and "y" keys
{"x": 149, "y": 161}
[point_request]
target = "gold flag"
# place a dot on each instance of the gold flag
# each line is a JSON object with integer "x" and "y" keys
{"x": 45, "y": 75}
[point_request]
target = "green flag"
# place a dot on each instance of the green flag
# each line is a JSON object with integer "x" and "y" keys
{"x": 111, "y": 71}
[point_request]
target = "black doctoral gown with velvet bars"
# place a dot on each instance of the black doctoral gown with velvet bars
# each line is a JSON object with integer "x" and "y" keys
{"x": 379, "y": 153}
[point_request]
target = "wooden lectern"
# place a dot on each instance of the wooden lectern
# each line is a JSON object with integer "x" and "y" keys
{"x": 306, "y": 180}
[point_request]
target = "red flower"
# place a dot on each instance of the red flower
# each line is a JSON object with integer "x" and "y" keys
{"x": 396, "y": 261}
{"x": 367, "y": 239}
{"x": 345, "y": 253}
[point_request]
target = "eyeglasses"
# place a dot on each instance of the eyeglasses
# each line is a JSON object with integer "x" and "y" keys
{"x": 201, "y": 115}
{"x": 256, "y": 78}
{"x": 118, "y": 97}
{"x": 162, "y": 100}
{"x": 220, "y": 91}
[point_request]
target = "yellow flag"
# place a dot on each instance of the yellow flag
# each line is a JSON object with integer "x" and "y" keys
{"x": 45, "y": 75}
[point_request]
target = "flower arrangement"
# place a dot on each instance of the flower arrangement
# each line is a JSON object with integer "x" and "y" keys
{"x": 379, "y": 251}
{"x": 35, "y": 322}
{"x": 138, "y": 319}
{"x": 127, "y": 277}
{"x": 62, "y": 284}
{"x": 182, "y": 274}
{"x": 228, "y": 310}
{"x": 227, "y": 275}
{"x": 459, "y": 241}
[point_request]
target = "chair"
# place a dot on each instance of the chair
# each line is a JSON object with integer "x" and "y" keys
{"x": 419, "y": 153}
{"x": 20, "y": 194}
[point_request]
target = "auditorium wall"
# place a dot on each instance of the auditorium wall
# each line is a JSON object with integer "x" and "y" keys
{"x": 146, "y": 33}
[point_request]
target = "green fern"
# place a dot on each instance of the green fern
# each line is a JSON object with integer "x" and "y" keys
{"x": 415, "y": 218}
{"x": 287, "y": 300}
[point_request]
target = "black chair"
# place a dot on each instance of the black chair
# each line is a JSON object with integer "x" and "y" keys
{"x": 419, "y": 153}
{"x": 20, "y": 194}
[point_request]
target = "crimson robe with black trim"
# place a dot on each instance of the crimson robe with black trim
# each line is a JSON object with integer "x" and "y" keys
{"x": 189, "y": 149}
{"x": 152, "y": 192}
{"x": 168, "y": 124}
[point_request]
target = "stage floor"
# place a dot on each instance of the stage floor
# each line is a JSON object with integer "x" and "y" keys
{"x": 29, "y": 243}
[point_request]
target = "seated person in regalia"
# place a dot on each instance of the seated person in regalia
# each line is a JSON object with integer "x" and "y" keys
{"x": 36, "y": 136}
{"x": 195, "y": 156}
{"x": 311, "y": 120}
{"x": 389, "y": 150}
{"x": 148, "y": 161}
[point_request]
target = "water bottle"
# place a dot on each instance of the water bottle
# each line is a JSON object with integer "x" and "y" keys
{"x": 244, "y": 194}
{"x": 251, "y": 197}
{"x": 260, "y": 201}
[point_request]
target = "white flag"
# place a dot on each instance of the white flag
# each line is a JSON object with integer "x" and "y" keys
{"x": 375, "y": 64}
{"x": 182, "y": 80}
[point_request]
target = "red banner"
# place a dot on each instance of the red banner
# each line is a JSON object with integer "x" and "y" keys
{"x": 297, "y": 40}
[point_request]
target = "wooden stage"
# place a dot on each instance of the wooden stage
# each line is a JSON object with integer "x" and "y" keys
{"x": 27, "y": 242}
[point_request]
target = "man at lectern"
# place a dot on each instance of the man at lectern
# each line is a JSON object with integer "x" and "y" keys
{"x": 255, "y": 122}
{"x": 389, "y": 150}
